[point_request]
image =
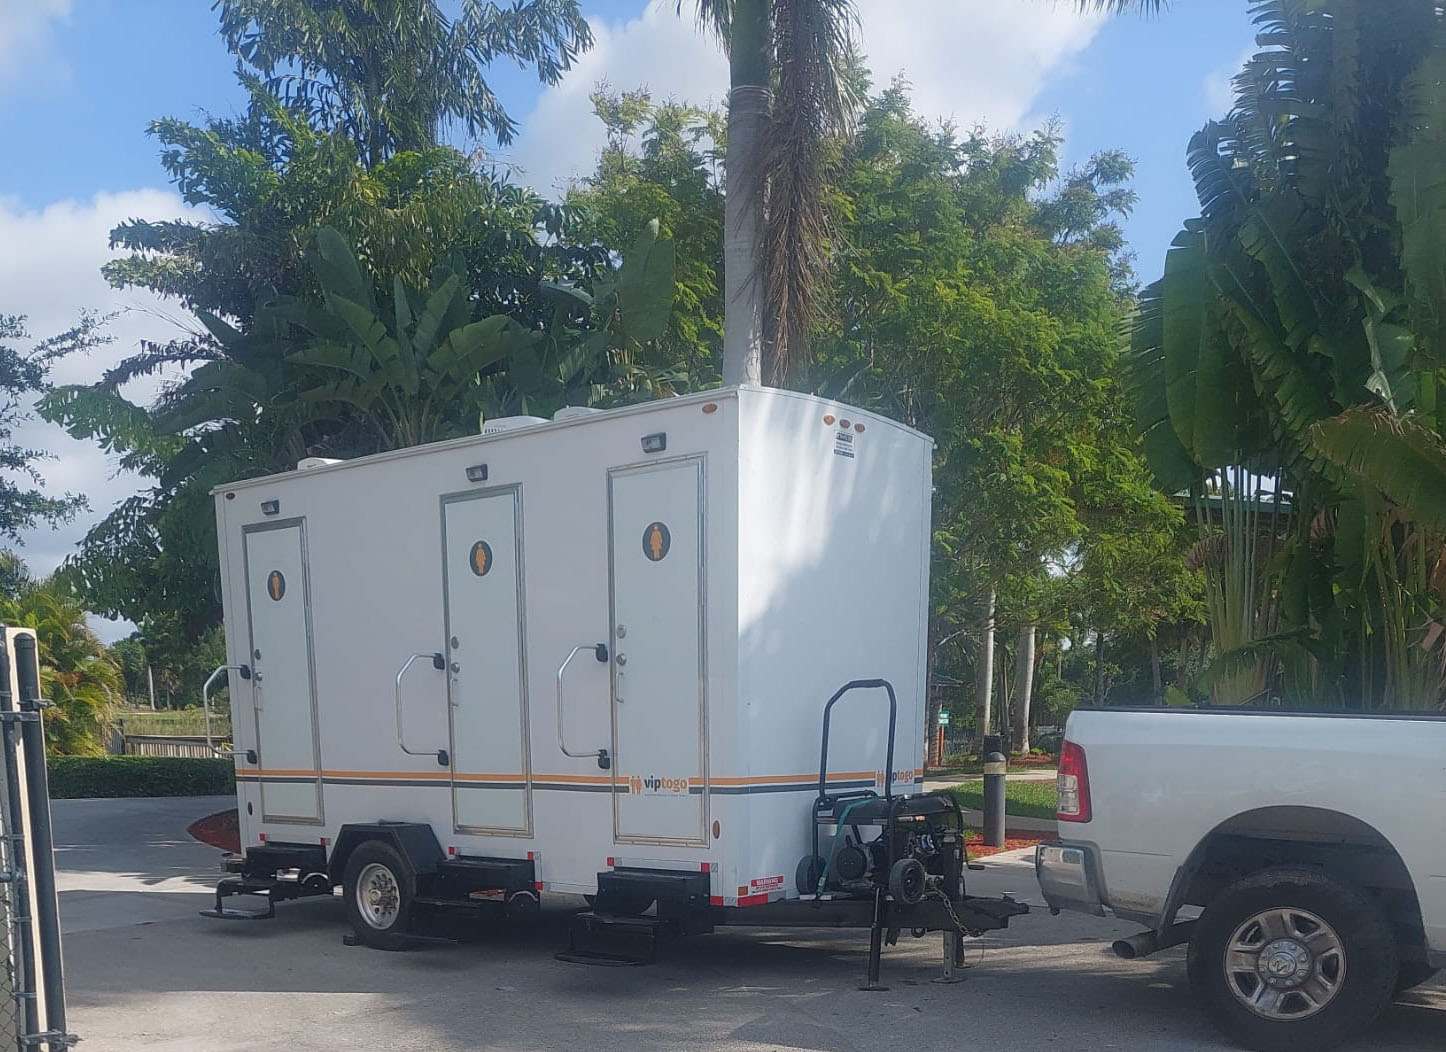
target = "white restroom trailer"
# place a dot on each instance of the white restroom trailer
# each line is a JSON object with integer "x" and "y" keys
{"x": 567, "y": 655}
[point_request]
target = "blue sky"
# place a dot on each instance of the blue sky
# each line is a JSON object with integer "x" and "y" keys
{"x": 79, "y": 80}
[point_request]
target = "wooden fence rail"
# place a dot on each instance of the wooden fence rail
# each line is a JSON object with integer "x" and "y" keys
{"x": 167, "y": 745}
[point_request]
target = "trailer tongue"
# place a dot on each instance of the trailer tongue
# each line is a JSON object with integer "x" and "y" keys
{"x": 584, "y": 657}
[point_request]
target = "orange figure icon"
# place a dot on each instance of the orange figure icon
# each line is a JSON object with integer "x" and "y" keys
{"x": 655, "y": 541}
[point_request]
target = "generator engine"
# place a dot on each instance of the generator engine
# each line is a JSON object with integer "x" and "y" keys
{"x": 906, "y": 845}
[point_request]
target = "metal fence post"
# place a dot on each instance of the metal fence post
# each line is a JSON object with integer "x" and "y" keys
{"x": 37, "y": 788}
{"x": 21, "y": 1007}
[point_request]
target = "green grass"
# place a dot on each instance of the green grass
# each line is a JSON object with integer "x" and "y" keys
{"x": 1021, "y": 799}
{"x": 177, "y": 721}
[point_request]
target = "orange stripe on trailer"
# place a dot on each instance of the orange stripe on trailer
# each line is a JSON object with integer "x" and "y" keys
{"x": 571, "y": 779}
{"x": 395, "y": 776}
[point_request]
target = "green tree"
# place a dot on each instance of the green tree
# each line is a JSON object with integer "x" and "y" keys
{"x": 78, "y": 676}
{"x": 390, "y": 73}
{"x": 662, "y": 163}
{"x": 1290, "y": 356}
{"x": 298, "y": 159}
{"x": 793, "y": 85}
{"x": 978, "y": 297}
{"x": 23, "y": 375}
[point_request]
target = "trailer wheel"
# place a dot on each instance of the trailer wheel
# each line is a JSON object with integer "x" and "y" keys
{"x": 379, "y": 889}
{"x": 1290, "y": 958}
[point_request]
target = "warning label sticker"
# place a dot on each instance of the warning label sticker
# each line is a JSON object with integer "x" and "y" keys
{"x": 766, "y": 883}
{"x": 843, "y": 444}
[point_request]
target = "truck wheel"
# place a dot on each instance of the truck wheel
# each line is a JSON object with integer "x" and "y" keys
{"x": 379, "y": 890}
{"x": 1289, "y": 958}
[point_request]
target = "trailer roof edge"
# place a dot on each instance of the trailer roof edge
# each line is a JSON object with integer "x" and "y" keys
{"x": 639, "y": 409}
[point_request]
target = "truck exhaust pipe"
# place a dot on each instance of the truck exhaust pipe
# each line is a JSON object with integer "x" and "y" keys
{"x": 1148, "y": 942}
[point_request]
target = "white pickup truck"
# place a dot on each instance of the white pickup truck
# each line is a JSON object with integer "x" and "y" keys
{"x": 1301, "y": 856}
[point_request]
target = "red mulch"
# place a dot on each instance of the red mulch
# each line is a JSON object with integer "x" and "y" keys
{"x": 1033, "y": 761}
{"x": 1012, "y": 842}
{"x": 221, "y": 830}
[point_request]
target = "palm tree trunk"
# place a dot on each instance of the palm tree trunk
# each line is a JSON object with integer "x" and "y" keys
{"x": 749, "y": 103}
{"x": 984, "y": 674}
{"x": 1023, "y": 686}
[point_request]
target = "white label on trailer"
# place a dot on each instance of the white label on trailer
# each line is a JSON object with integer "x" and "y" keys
{"x": 491, "y": 783}
{"x": 843, "y": 444}
{"x": 278, "y": 608}
{"x": 659, "y": 775}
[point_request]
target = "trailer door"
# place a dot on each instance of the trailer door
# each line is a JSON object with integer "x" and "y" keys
{"x": 659, "y": 705}
{"x": 283, "y": 690}
{"x": 482, "y": 578}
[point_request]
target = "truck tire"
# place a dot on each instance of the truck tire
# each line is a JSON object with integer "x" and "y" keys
{"x": 379, "y": 889}
{"x": 1289, "y": 959}
{"x": 1413, "y": 975}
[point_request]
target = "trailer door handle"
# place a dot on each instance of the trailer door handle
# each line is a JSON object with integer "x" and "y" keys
{"x": 600, "y": 652}
{"x": 438, "y": 662}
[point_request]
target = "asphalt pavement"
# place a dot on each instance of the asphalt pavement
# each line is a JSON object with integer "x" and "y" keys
{"x": 145, "y": 972}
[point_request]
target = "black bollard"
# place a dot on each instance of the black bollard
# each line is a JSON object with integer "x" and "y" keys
{"x": 994, "y": 768}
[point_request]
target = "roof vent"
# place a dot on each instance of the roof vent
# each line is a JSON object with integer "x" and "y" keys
{"x": 510, "y": 423}
{"x": 307, "y": 463}
{"x": 572, "y": 412}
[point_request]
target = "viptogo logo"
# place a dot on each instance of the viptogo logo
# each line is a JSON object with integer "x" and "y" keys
{"x": 657, "y": 785}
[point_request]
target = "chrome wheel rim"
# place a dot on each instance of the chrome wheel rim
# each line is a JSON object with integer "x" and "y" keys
{"x": 378, "y": 896}
{"x": 1285, "y": 964}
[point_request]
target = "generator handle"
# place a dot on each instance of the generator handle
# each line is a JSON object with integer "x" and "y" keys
{"x": 438, "y": 662}
{"x": 206, "y": 703}
{"x": 859, "y": 684}
{"x": 600, "y": 652}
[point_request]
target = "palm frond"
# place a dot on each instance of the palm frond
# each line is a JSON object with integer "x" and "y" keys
{"x": 1395, "y": 455}
{"x": 813, "y": 45}
{"x": 1121, "y": 7}
{"x": 713, "y": 15}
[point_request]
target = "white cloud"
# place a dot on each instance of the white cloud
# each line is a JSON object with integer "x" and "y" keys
{"x": 25, "y": 34}
{"x": 968, "y": 60}
{"x": 1218, "y": 88}
{"x": 973, "y": 61}
{"x": 50, "y": 263}
{"x": 657, "y": 50}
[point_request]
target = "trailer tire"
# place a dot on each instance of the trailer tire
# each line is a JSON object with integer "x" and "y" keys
{"x": 1324, "y": 959}
{"x": 379, "y": 889}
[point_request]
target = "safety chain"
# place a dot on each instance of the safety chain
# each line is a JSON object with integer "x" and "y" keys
{"x": 959, "y": 925}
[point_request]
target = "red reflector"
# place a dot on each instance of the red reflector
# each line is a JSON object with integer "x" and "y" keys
{"x": 707, "y": 867}
{"x": 753, "y": 900}
{"x": 1073, "y": 784}
{"x": 610, "y": 862}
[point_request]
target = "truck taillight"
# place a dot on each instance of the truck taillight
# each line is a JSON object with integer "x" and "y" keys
{"x": 1073, "y": 784}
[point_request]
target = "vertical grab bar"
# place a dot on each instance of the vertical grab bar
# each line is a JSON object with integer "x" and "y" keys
{"x": 600, "y": 651}
{"x": 245, "y": 671}
{"x": 439, "y": 662}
